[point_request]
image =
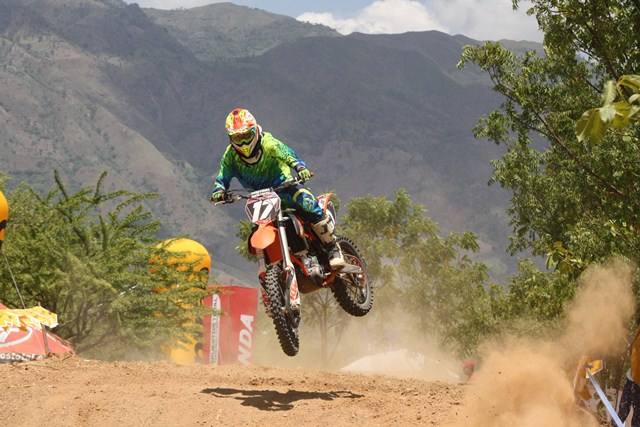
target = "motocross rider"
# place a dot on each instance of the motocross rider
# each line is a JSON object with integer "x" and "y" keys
{"x": 258, "y": 160}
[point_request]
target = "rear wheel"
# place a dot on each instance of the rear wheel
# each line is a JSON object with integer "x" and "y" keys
{"x": 352, "y": 289}
{"x": 285, "y": 323}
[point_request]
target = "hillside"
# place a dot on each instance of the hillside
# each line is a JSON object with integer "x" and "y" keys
{"x": 101, "y": 85}
{"x": 62, "y": 112}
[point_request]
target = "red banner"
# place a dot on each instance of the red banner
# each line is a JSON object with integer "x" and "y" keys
{"x": 25, "y": 341}
{"x": 228, "y": 338}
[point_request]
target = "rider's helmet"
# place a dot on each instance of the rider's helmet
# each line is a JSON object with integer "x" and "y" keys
{"x": 244, "y": 133}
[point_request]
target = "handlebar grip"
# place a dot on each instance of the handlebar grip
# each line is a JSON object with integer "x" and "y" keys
{"x": 230, "y": 198}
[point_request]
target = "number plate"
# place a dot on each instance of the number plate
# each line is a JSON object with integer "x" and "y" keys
{"x": 263, "y": 208}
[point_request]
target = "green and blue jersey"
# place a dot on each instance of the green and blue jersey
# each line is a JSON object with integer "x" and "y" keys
{"x": 271, "y": 170}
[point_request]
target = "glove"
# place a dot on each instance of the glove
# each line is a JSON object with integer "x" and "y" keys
{"x": 217, "y": 196}
{"x": 304, "y": 174}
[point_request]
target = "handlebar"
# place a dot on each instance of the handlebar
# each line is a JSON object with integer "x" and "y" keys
{"x": 233, "y": 195}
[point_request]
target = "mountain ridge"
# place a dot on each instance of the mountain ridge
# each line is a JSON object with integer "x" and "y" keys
{"x": 221, "y": 31}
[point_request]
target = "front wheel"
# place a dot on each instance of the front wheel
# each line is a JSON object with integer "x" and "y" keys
{"x": 353, "y": 290}
{"x": 284, "y": 322}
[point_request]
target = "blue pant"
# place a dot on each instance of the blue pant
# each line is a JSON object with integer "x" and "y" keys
{"x": 299, "y": 197}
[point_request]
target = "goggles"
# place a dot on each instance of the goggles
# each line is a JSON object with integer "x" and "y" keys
{"x": 243, "y": 138}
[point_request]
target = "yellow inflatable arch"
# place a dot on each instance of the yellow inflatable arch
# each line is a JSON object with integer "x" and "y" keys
{"x": 188, "y": 253}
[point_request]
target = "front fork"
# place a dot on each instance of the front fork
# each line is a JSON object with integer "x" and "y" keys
{"x": 289, "y": 272}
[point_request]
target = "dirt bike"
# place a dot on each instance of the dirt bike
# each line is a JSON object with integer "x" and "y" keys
{"x": 293, "y": 260}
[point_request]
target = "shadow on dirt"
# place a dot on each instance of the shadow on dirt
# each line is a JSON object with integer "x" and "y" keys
{"x": 269, "y": 400}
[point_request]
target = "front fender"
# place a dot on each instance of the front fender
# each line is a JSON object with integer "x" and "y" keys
{"x": 264, "y": 236}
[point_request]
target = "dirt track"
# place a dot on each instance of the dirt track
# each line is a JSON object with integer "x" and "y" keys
{"x": 520, "y": 382}
{"x": 71, "y": 391}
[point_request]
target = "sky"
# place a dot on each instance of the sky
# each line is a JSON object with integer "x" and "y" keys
{"x": 477, "y": 19}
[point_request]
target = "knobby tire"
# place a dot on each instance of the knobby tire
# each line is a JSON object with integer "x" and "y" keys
{"x": 287, "y": 334}
{"x": 353, "y": 291}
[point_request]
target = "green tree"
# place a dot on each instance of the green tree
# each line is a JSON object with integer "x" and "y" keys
{"x": 421, "y": 276}
{"x": 574, "y": 202}
{"x": 535, "y": 300}
{"x": 86, "y": 257}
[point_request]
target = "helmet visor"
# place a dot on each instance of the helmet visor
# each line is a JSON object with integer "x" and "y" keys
{"x": 243, "y": 138}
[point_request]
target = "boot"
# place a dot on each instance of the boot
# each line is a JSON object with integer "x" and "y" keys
{"x": 324, "y": 230}
{"x": 336, "y": 260}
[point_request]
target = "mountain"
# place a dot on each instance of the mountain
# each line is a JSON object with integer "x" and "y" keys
{"x": 93, "y": 85}
{"x": 223, "y": 30}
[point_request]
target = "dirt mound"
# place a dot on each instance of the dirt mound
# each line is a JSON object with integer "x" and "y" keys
{"x": 71, "y": 391}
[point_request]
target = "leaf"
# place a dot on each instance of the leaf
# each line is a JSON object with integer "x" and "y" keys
{"x": 590, "y": 127}
{"x": 609, "y": 92}
{"x": 623, "y": 115}
{"x": 608, "y": 113}
{"x": 631, "y": 81}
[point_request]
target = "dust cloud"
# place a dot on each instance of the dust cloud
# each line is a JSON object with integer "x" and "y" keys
{"x": 388, "y": 344}
{"x": 530, "y": 382}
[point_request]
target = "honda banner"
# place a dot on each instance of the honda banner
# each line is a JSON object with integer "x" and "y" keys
{"x": 228, "y": 337}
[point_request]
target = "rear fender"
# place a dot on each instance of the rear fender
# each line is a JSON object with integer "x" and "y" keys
{"x": 324, "y": 202}
{"x": 327, "y": 206}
